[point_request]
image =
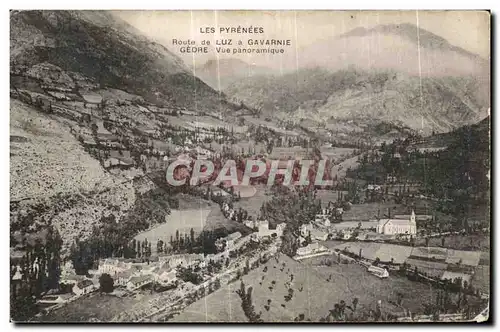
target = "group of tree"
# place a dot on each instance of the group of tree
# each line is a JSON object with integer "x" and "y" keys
{"x": 293, "y": 206}
{"x": 247, "y": 305}
{"x": 39, "y": 268}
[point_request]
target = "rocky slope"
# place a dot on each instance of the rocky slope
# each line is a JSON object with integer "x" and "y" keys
{"x": 428, "y": 104}
{"x": 390, "y": 73}
{"x": 72, "y": 61}
{"x": 106, "y": 50}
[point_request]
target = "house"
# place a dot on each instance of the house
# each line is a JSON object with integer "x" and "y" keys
{"x": 280, "y": 228}
{"x": 391, "y": 179}
{"x": 398, "y": 226}
{"x": 305, "y": 229}
{"x": 166, "y": 276}
{"x": 323, "y": 220}
{"x": 347, "y": 234}
{"x": 378, "y": 271}
{"x": 374, "y": 187}
{"x": 250, "y": 223}
{"x": 113, "y": 266}
{"x": 184, "y": 260}
{"x": 17, "y": 275}
{"x": 311, "y": 248}
{"x": 84, "y": 287}
{"x": 138, "y": 282}
{"x": 122, "y": 278}
{"x": 265, "y": 231}
{"x": 228, "y": 242}
{"x": 319, "y": 235}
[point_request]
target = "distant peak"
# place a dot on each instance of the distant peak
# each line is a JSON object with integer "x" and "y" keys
{"x": 412, "y": 33}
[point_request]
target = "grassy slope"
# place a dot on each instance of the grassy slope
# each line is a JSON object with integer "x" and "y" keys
{"x": 317, "y": 296}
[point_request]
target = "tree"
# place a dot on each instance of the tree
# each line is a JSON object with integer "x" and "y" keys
{"x": 159, "y": 246}
{"x": 355, "y": 302}
{"x": 191, "y": 232}
{"x": 106, "y": 283}
{"x": 246, "y": 303}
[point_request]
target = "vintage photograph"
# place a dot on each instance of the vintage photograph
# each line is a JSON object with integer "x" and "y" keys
{"x": 250, "y": 166}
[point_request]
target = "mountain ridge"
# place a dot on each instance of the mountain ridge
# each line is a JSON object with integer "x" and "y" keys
{"x": 107, "y": 50}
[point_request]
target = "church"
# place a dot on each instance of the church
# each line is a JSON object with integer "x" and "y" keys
{"x": 398, "y": 226}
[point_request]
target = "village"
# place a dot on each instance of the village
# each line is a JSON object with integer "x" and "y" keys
{"x": 377, "y": 213}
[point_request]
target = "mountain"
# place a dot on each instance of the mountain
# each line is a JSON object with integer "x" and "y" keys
{"x": 391, "y": 73}
{"x": 402, "y": 47}
{"x": 89, "y": 96}
{"x": 103, "y": 49}
{"x": 221, "y": 73}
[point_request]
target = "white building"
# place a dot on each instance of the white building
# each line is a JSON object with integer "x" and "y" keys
{"x": 122, "y": 278}
{"x": 398, "y": 226}
{"x": 311, "y": 248}
{"x": 84, "y": 287}
{"x": 305, "y": 229}
{"x": 319, "y": 235}
{"x": 113, "y": 266}
{"x": 228, "y": 242}
{"x": 138, "y": 282}
{"x": 184, "y": 260}
{"x": 166, "y": 276}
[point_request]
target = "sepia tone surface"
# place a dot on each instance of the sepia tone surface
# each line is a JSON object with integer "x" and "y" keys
{"x": 249, "y": 166}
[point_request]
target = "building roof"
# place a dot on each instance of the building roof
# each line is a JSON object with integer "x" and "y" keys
{"x": 139, "y": 279}
{"x": 124, "y": 274}
{"x": 417, "y": 217}
{"x": 401, "y": 222}
{"x": 318, "y": 233}
{"x": 233, "y": 236}
{"x": 84, "y": 283}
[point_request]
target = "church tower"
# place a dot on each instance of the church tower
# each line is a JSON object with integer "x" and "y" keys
{"x": 412, "y": 217}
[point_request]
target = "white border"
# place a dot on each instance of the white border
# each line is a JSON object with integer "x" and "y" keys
{"x": 190, "y": 4}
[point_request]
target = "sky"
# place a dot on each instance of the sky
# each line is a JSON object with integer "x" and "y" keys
{"x": 466, "y": 29}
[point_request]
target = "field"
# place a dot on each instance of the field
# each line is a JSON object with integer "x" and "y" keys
{"x": 328, "y": 195}
{"x": 385, "y": 252}
{"x": 253, "y": 204}
{"x": 340, "y": 170}
{"x": 315, "y": 290}
{"x": 97, "y": 306}
{"x": 178, "y": 220}
{"x": 460, "y": 242}
{"x": 354, "y": 224}
{"x": 373, "y": 250}
{"x": 365, "y": 212}
{"x": 481, "y": 278}
{"x": 335, "y": 153}
{"x": 216, "y": 220}
{"x": 435, "y": 269}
